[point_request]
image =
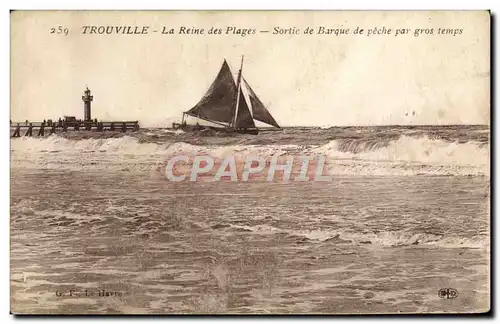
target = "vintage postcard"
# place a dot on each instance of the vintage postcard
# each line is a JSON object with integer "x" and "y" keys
{"x": 250, "y": 162}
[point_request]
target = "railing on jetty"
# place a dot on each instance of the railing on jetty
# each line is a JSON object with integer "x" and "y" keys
{"x": 52, "y": 127}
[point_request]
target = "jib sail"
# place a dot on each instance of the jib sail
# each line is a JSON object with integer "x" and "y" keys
{"x": 244, "y": 118}
{"x": 259, "y": 111}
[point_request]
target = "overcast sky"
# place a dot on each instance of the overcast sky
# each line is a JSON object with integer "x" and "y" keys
{"x": 317, "y": 80}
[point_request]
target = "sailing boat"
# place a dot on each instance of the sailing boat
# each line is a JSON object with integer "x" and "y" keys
{"x": 224, "y": 104}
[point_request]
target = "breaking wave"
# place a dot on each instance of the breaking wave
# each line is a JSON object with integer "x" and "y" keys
{"x": 410, "y": 149}
{"x": 381, "y": 238}
{"x": 402, "y": 238}
{"x": 356, "y": 156}
{"x": 51, "y": 144}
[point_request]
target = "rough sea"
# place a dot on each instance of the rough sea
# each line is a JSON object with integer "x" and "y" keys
{"x": 97, "y": 228}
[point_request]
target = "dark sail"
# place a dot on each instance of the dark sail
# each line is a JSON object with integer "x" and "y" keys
{"x": 244, "y": 118}
{"x": 218, "y": 102}
{"x": 260, "y": 112}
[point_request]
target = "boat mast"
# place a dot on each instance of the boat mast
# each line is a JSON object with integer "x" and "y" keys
{"x": 238, "y": 85}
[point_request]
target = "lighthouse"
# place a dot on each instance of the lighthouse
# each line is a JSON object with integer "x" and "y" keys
{"x": 87, "y": 99}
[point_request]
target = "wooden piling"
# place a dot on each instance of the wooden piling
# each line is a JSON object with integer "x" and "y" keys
{"x": 124, "y": 127}
{"x": 41, "y": 130}
{"x": 29, "y": 132}
{"x": 17, "y": 132}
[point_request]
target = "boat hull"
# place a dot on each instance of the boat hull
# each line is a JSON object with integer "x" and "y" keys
{"x": 225, "y": 130}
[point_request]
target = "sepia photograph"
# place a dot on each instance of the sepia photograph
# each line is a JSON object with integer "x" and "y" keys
{"x": 250, "y": 162}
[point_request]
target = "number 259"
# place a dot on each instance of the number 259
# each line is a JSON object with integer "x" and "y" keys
{"x": 59, "y": 30}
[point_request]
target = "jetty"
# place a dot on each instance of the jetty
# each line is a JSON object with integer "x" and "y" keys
{"x": 70, "y": 123}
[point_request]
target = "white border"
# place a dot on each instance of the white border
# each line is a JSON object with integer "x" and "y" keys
{"x": 255, "y": 4}
{"x": 196, "y": 5}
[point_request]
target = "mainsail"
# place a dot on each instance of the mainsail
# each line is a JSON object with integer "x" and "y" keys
{"x": 260, "y": 112}
{"x": 218, "y": 102}
{"x": 225, "y": 99}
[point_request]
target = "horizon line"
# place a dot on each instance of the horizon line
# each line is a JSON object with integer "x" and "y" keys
{"x": 344, "y": 126}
